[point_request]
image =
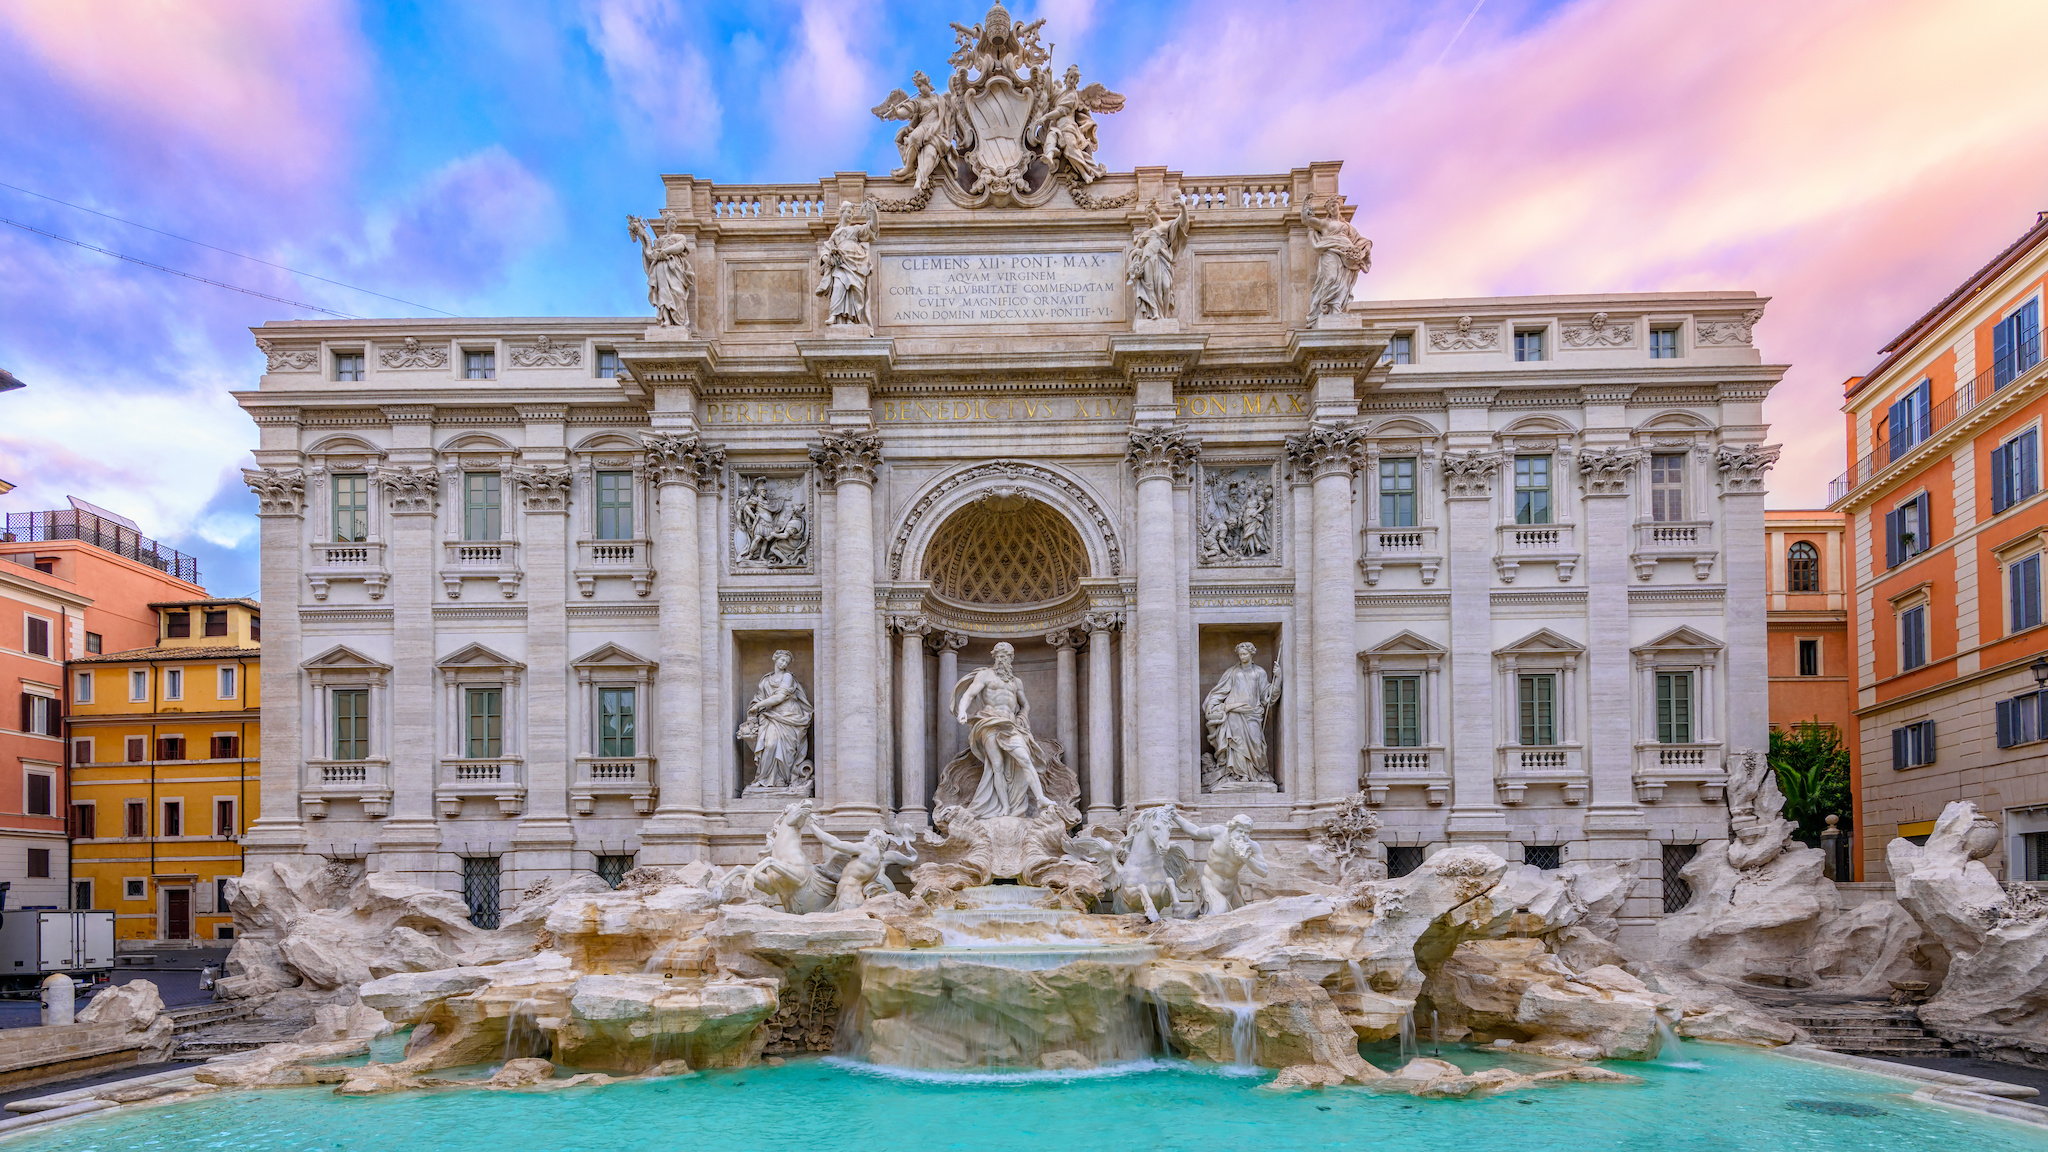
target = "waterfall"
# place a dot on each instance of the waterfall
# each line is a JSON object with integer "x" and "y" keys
{"x": 1409, "y": 1048}
{"x": 1244, "y": 1033}
{"x": 523, "y": 1035}
{"x": 1436, "y": 1043}
{"x": 1668, "y": 1054}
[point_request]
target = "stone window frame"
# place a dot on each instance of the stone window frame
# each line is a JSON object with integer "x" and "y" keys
{"x": 783, "y": 469}
{"x": 345, "y": 668}
{"x": 1666, "y": 434}
{"x": 1699, "y": 760}
{"x": 1539, "y": 436}
{"x": 1919, "y": 596}
{"x": 611, "y": 452}
{"x": 2033, "y": 542}
{"x": 1542, "y": 652}
{"x": 457, "y": 776}
{"x": 463, "y": 453}
{"x": 612, "y": 665}
{"x": 1402, "y": 437}
{"x": 330, "y": 560}
{"x": 1407, "y": 653}
{"x": 1232, "y": 459}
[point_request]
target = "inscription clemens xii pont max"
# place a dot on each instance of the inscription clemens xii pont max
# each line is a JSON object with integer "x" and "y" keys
{"x": 1002, "y": 288}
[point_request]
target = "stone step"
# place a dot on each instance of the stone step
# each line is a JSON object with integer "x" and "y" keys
{"x": 206, "y": 1015}
{"x": 200, "y": 1049}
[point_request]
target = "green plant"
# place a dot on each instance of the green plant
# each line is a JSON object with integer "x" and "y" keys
{"x": 1813, "y": 772}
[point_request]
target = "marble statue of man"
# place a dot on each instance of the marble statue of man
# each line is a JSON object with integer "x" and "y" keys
{"x": 778, "y": 726}
{"x": 1341, "y": 254}
{"x": 1232, "y": 852}
{"x": 998, "y": 720}
{"x": 754, "y": 512}
{"x": 671, "y": 280}
{"x": 1235, "y": 712}
{"x": 868, "y": 858}
{"x": 845, "y": 263}
{"x": 1148, "y": 263}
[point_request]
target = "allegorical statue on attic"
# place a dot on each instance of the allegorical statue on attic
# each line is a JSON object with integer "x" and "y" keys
{"x": 845, "y": 261}
{"x": 671, "y": 280}
{"x": 1341, "y": 254}
{"x": 1148, "y": 263}
{"x": 927, "y": 140}
{"x": 1065, "y": 122}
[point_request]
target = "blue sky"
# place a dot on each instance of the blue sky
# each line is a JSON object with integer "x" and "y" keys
{"x": 480, "y": 158}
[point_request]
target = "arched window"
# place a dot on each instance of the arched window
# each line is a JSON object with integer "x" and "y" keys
{"x": 1802, "y": 568}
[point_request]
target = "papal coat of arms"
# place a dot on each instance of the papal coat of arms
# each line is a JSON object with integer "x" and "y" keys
{"x": 1007, "y": 128}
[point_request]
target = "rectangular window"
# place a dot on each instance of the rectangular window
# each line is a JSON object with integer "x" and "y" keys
{"x": 92, "y": 643}
{"x": 1536, "y": 702}
{"x": 138, "y": 749}
{"x": 2016, "y": 344}
{"x": 1663, "y": 343}
{"x": 255, "y": 628}
{"x": 612, "y": 869}
{"x": 2035, "y": 865}
{"x": 2024, "y": 579}
{"x": 1548, "y": 857}
{"x": 39, "y": 863}
{"x": 36, "y": 796}
{"x": 1529, "y": 344}
{"x": 36, "y": 636}
{"x": 81, "y": 750}
{"x": 84, "y": 821}
{"x": 137, "y": 825}
{"x": 1907, "y": 531}
{"x": 480, "y": 365}
{"x": 2015, "y": 470}
{"x": 217, "y": 623}
{"x": 607, "y": 363}
{"x": 614, "y": 505}
{"x": 1913, "y": 637}
{"x": 615, "y": 721}
{"x": 1674, "y": 707}
{"x": 224, "y": 821}
{"x": 39, "y": 714}
{"x": 1402, "y": 697}
{"x": 170, "y": 748}
{"x": 2022, "y": 719}
{"x": 482, "y": 507}
{"x": 486, "y": 728}
{"x": 133, "y": 889}
{"x": 480, "y": 889}
{"x": 220, "y": 900}
{"x": 1910, "y": 419}
{"x": 138, "y": 686}
{"x": 1677, "y": 891}
{"x": 226, "y": 748}
{"x": 1403, "y": 859}
{"x": 174, "y": 683}
{"x": 351, "y": 507}
{"x": 81, "y": 895}
{"x": 174, "y": 818}
{"x": 351, "y": 723}
{"x": 177, "y": 625}
{"x": 1401, "y": 348}
{"x": 82, "y": 688}
{"x": 227, "y": 686}
{"x": 1913, "y": 745}
{"x": 348, "y": 365}
{"x": 1532, "y": 489}
{"x": 1397, "y": 492}
{"x": 1809, "y": 657}
{"x": 1667, "y": 486}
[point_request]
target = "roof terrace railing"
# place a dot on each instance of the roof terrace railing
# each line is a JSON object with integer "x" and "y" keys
{"x": 1899, "y": 443}
{"x": 121, "y": 540}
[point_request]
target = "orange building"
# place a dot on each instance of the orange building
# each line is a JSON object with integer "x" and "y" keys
{"x": 1812, "y": 663}
{"x": 1944, "y": 501}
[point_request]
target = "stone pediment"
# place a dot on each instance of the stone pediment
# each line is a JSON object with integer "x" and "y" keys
{"x": 610, "y": 655}
{"x": 1541, "y": 642}
{"x": 342, "y": 658}
{"x": 1681, "y": 639}
{"x": 476, "y": 657}
{"x": 1406, "y": 643}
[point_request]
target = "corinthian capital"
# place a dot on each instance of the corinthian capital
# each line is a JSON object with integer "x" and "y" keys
{"x": 1607, "y": 471}
{"x": 682, "y": 459}
{"x": 1742, "y": 469}
{"x": 849, "y": 457}
{"x": 410, "y": 489}
{"x": 543, "y": 489}
{"x": 1157, "y": 453}
{"x": 278, "y": 493}
{"x": 1325, "y": 449}
{"x": 1469, "y": 474}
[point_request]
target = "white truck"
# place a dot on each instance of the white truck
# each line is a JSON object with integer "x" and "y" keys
{"x": 36, "y": 942}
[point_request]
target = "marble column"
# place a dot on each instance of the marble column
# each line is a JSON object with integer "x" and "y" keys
{"x": 849, "y": 460}
{"x": 1742, "y": 534}
{"x": 544, "y": 840}
{"x": 409, "y": 842}
{"x": 280, "y": 510}
{"x": 1476, "y": 815}
{"x": 680, "y": 466}
{"x": 1067, "y": 705}
{"x": 1330, "y": 456}
{"x": 1605, "y": 479}
{"x": 912, "y": 696}
{"x": 1101, "y": 720}
{"x": 1156, "y": 455}
{"x": 947, "y": 645}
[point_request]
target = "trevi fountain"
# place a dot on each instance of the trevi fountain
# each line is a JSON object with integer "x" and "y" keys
{"x": 1015, "y": 656}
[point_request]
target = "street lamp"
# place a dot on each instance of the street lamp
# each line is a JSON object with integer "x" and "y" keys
{"x": 2040, "y": 670}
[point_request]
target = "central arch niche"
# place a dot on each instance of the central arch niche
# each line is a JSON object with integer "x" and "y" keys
{"x": 1006, "y": 551}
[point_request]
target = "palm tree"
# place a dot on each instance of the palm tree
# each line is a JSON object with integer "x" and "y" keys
{"x": 1813, "y": 772}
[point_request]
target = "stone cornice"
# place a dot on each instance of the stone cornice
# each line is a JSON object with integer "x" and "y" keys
{"x": 854, "y": 361}
{"x": 1156, "y": 356}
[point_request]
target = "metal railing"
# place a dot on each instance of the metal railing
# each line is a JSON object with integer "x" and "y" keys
{"x": 1979, "y": 389}
{"x": 101, "y": 533}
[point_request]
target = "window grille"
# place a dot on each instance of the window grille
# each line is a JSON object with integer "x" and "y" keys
{"x": 480, "y": 889}
{"x": 1677, "y": 893}
{"x": 1403, "y": 859}
{"x": 1548, "y": 857}
{"x": 612, "y": 869}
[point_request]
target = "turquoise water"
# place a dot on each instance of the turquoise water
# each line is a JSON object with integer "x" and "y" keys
{"x": 1737, "y": 1099}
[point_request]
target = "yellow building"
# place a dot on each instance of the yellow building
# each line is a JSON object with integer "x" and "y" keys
{"x": 164, "y": 744}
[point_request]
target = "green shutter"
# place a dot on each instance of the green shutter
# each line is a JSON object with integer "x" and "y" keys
{"x": 486, "y": 723}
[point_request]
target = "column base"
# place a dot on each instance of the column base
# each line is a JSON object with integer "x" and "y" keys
{"x": 282, "y": 836}
{"x": 541, "y": 848}
{"x": 411, "y": 848}
{"x": 674, "y": 838}
{"x": 913, "y": 819}
{"x": 1104, "y": 814}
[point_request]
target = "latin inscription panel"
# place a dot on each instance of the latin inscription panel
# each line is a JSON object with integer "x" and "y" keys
{"x": 975, "y": 289}
{"x": 1251, "y": 407}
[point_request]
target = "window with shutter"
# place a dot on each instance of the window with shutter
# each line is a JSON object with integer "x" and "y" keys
{"x": 2001, "y": 478}
{"x": 2016, "y": 344}
{"x": 2024, "y": 579}
{"x": 2004, "y": 724}
{"x": 1891, "y": 539}
{"x": 1898, "y": 749}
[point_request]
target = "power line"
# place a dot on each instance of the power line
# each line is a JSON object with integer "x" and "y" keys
{"x": 217, "y": 248}
{"x": 175, "y": 272}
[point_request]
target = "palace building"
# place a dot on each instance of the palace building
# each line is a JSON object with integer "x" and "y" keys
{"x": 556, "y": 594}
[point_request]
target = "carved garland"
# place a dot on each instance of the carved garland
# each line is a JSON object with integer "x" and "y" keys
{"x": 287, "y": 359}
{"x": 1004, "y": 468}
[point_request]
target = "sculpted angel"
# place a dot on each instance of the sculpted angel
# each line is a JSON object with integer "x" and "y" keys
{"x": 845, "y": 263}
{"x": 1341, "y": 254}
{"x": 671, "y": 280}
{"x": 1066, "y": 118}
{"x": 927, "y": 138}
{"x": 1148, "y": 263}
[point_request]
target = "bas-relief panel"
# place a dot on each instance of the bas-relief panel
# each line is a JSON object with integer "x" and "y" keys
{"x": 770, "y": 518}
{"x": 1235, "y": 515}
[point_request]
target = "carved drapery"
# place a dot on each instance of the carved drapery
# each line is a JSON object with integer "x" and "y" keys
{"x": 545, "y": 353}
{"x": 1161, "y": 452}
{"x": 413, "y": 354}
{"x": 287, "y": 359}
{"x": 1467, "y": 338}
{"x": 1598, "y": 333}
{"x": 1736, "y": 331}
{"x": 849, "y": 457}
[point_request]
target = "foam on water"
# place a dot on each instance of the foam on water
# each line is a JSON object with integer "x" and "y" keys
{"x": 1017, "y": 1076}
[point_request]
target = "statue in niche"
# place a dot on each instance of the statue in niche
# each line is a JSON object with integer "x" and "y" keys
{"x": 770, "y": 530}
{"x": 1005, "y": 771}
{"x": 778, "y": 731}
{"x": 1237, "y": 520}
{"x": 1232, "y": 852}
{"x": 1341, "y": 254}
{"x": 1148, "y": 262}
{"x": 671, "y": 278}
{"x": 1235, "y": 714}
{"x": 845, "y": 263}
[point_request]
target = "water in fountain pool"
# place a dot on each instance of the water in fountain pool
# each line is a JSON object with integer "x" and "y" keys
{"x": 1740, "y": 1101}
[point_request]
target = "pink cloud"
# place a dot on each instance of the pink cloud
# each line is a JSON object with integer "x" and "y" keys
{"x": 1853, "y": 159}
{"x": 257, "y": 82}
